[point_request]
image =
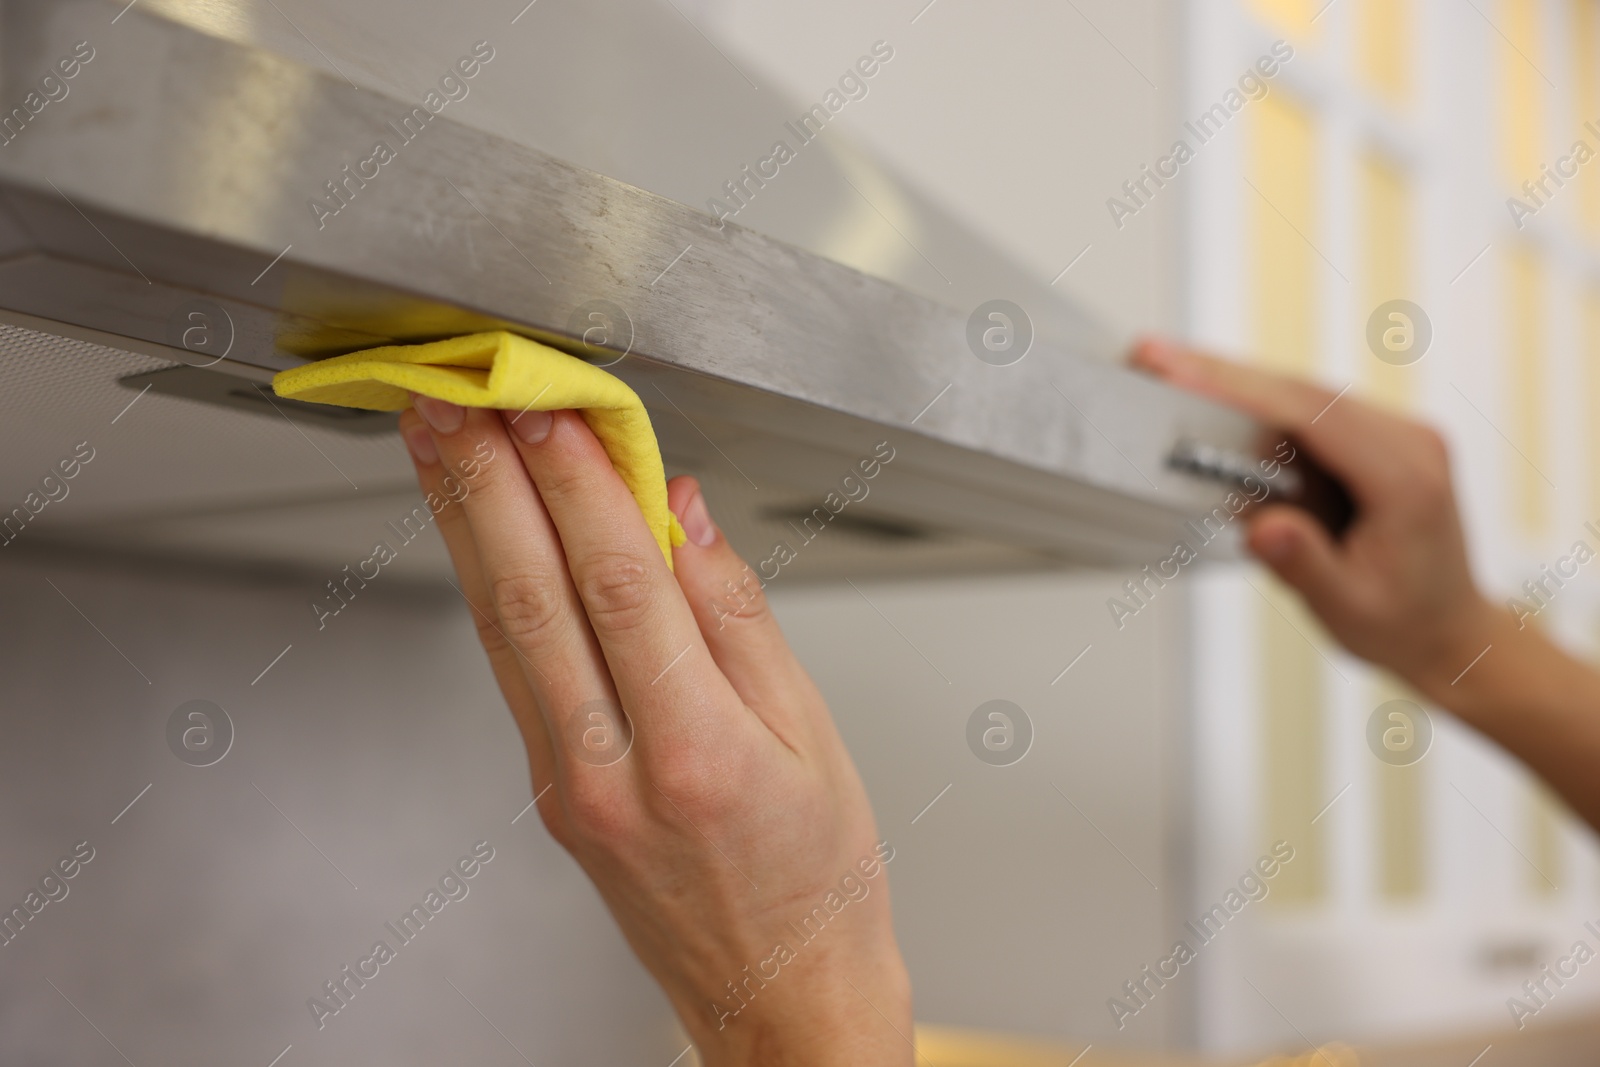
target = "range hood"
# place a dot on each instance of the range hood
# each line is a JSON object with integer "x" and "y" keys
{"x": 201, "y": 208}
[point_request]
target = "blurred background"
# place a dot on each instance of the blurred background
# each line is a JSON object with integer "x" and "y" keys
{"x": 1383, "y": 159}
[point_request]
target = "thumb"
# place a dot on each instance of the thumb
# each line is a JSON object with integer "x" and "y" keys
{"x": 729, "y": 603}
{"x": 1298, "y": 550}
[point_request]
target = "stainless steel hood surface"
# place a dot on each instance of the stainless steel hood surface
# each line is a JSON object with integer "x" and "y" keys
{"x": 167, "y": 200}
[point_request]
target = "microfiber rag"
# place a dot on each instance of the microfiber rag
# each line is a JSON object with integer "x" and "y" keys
{"x": 502, "y": 370}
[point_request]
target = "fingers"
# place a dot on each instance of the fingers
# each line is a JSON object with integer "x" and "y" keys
{"x": 1272, "y": 398}
{"x": 1299, "y": 550}
{"x": 657, "y": 658}
{"x": 526, "y": 585}
{"x": 452, "y": 521}
{"x": 731, "y": 610}
{"x": 1352, "y": 439}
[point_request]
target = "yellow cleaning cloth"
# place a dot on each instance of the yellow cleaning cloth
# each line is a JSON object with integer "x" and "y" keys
{"x": 502, "y": 370}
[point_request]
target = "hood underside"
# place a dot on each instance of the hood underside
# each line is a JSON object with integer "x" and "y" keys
{"x": 161, "y": 245}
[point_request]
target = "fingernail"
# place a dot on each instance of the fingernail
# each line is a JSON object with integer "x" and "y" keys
{"x": 532, "y": 426}
{"x": 420, "y": 443}
{"x": 696, "y": 521}
{"x": 442, "y": 416}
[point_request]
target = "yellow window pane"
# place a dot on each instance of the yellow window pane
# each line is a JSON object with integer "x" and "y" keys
{"x": 1383, "y": 43}
{"x": 1401, "y": 823}
{"x": 1386, "y": 266}
{"x": 1525, "y": 349}
{"x": 1586, "y": 102}
{"x": 1282, "y": 202}
{"x": 1293, "y": 16}
{"x": 1520, "y": 80}
{"x": 1545, "y": 853}
{"x": 1294, "y": 786}
{"x": 1402, "y": 874}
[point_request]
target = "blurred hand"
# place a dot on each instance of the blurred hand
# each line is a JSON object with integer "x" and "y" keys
{"x": 1397, "y": 589}
{"x": 735, "y": 817}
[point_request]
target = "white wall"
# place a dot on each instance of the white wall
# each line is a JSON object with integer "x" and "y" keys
{"x": 1016, "y": 911}
{"x": 1021, "y": 119}
{"x": 206, "y": 920}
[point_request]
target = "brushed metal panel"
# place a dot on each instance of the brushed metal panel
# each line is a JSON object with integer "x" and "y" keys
{"x": 182, "y": 166}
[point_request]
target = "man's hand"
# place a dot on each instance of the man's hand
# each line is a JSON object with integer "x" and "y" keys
{"x": 678, "y": 750}
{"x": 1397, "y": 589}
